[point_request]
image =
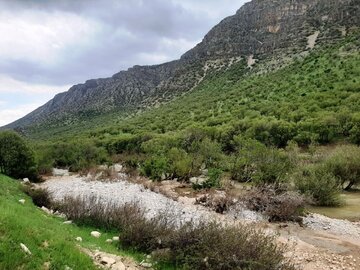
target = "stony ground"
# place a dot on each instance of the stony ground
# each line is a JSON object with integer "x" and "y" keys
{"x": 323, "y": 243}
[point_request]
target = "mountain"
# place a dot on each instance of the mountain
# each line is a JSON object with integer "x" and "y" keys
{"x": 263, "y": 33}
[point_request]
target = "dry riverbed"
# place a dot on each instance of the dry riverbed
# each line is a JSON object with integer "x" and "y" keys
{"x": 323, "y": 243}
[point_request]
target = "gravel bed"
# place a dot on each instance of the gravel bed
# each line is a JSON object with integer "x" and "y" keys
{"x": 122, "y": 192}
{"x": 337, "y": 226}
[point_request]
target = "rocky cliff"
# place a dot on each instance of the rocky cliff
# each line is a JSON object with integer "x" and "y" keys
{"x": 260, "y": 30}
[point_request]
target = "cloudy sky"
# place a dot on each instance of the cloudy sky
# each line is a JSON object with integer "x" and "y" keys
{"x": 48, "y": 45}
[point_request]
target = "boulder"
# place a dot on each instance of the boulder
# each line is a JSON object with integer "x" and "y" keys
{"x": 67, "y": 222}
{"x": 22, "y": 201}
{"x": 95, "y": 234}
{"x": 109, "y": 241}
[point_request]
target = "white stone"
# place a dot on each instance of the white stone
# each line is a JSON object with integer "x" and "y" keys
{"x": 108, "y": 241}
{"x": 26, "y": 180}
{"x": 117, "y": 167}
{"x": 25, "y": 249}
{"x": 60, "y": 172}
{"x": 95, "y": 234}
{"x": 47, "y": 211}
{"x": 146, "y": 265}
{"x": 115, "y": 238}
{"x": 22, "y": 201}
{"x": 67, "y": 222}
{"x": 107, "y": 261}
{"x": 79, "y": 239}
{"x": 118, "y": 266}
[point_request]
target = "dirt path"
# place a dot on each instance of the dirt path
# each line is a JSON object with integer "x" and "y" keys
{"x": 322, "y": 245}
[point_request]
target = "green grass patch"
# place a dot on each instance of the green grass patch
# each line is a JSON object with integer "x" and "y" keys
{"x": 27, "y": 224}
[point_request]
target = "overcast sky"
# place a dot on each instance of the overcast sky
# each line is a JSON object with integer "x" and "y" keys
{"x": 48, "y": 45}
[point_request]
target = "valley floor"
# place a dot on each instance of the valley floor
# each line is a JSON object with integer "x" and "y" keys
{"x": 321, "y": 244}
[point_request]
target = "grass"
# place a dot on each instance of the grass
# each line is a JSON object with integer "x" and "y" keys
{"x": 29, "y": 225}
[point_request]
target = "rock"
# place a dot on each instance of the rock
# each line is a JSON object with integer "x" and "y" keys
{"x": 67, "y": 268}
{"x": 103, "y": 167}
{"x": 47, "y": 211}
{"x": 145, "y": 264}
{"x": 109, "y": 241}
{"x": 22, "y": 201}
{"x": 79, "y": 239}
{"x": 115, "y": 238}
{"x": 26, "y": 180}
{"x": 118, "y": 266}
{"x": 107, "y": 261}
{"x": 60, "y": 172}
{"x": 95, "y": 234}
{"x": 197, "y": 180}
{"x": 67, "y": 222}
{"x": 117, "y": 167}
{"x": 25, "y": 249}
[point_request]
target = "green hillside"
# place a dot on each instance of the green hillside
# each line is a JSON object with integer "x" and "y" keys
{"x": 49, "y": 240}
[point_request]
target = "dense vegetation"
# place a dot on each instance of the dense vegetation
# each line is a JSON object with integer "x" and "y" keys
{"x": 250, "y": 127}
{"x": 16, "y": 158}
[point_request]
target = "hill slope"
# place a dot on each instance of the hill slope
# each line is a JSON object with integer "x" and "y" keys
{"x": 261, "y": 29}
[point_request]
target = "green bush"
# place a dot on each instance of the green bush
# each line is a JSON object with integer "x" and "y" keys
{"x": 155, "y": 167}
{"x": 16, "y": 158}
{"x": 258, "y": 163}
{"x": 344, "y": 164}
{"x": 320, "y": 184}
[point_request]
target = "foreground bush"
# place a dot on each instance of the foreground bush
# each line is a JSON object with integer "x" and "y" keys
{"x": 320, "y": 184}
{"x": 16, "y": 158}
{"x": 191, "y": 245}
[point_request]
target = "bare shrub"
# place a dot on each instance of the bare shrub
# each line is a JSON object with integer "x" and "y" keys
{"x": 277, "y": 203}
{"x": 218, "y": 203}
{"x": 40, "y": 197}
{"x": 211, "y": 245}
{"x": 190, "y": 245}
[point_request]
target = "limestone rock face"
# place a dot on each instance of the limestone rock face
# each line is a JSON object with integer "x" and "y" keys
{"x": 260, "y": 29}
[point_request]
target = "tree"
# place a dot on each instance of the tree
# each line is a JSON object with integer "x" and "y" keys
{"x": 16, "y": 158}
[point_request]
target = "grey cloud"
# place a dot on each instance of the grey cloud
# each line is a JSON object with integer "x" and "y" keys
{"x": 148, "y": 21}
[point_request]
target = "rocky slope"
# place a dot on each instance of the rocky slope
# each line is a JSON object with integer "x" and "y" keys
{"x": 261, "y": 29}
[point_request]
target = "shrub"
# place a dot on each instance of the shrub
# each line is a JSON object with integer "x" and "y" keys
{"x": 155, "y": 167}
{"x": 276, "y": 202}
{"x": 40, "y": 197}
{"x": 211, "y": 245}
{"x": 214, "y": 178}
{"x": 344, "y": 164}
{"x": 190, "y": 245}
{"x": 318, "y": 183}
{"x": 16, "y": 158}
{"x": 258, "y": 163}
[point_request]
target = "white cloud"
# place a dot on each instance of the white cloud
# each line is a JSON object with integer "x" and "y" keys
{"x": 10, "y": 85}
{"x": 42, "y": 37}
{"x": 9, "y": 115}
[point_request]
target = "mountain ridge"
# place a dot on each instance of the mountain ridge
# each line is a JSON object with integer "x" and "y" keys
{"x": 261, "y": 29}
